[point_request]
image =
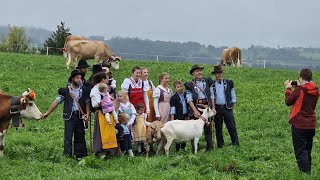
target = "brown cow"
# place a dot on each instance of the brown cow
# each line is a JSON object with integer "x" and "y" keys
{"x": 231, "y": 56}
{"x": 68, "y": 39}
{"x": 25, "y": 105}
{"x": 89, "y": 49}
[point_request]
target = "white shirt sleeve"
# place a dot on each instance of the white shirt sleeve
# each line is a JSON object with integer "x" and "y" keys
{"x": 126, "y": 84}
{"x": 145, "y": 120}
{"x": 95, "y": 97}
{"x": 233, "y": 96}
{"x": 133, "y": 116}
{"x": 189, "y": 96}
{"x": 156, "y": 106}
{"x": 146, "y": 86}
{"x": 156, "y": 93}
{"x": 132, "y": 119}
{"x": 113, "y": 84}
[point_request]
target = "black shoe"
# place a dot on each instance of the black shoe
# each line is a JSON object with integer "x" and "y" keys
{"x": 209, "y": 149}
{"x": 236, "y": 144}
{"x": 106, "y": 158}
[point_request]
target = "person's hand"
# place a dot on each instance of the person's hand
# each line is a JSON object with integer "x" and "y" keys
{"x": 44, "y": 115}
{"x": 86, "y": 117}
{"x": 117, "y": 121}
{"x": 214, "y": 110}
{"x": 197, "y": 114}
{"x": 158, "y": 118}
{"x": 287, "y": 84}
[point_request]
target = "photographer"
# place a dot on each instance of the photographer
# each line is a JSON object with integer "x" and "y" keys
{"x": 303, "y": 117}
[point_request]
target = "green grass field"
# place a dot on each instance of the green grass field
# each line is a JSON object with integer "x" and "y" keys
{"x": 266, "y": 152}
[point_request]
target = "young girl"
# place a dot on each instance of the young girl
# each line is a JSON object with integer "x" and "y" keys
{"x": 125, "y": 142}
{"x": 106, "y": 103}
{"x": 139, "y": 127}
{"x": 126, "y": 106}
{"x": 146, "y": 80}
{"x": 162, "y": 95}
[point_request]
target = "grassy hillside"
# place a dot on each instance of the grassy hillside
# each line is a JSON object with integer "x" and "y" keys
{"x": 265, "y": 151}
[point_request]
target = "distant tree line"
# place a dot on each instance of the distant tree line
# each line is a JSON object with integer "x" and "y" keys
{"x": 16, "y": 40}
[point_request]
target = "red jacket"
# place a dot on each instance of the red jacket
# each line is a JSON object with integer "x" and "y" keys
{"x": 304, "y": 100}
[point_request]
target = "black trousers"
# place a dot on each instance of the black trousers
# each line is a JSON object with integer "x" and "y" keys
{"x": 74, "y": 128}
{"x": 125, "y": 144}
{"x": 225, "y": 115}
{"x": 302, "y": 140}
{"x": 180, "y": 146}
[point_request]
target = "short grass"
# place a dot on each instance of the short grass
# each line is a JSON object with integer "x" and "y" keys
{"x": 266, "y": 152}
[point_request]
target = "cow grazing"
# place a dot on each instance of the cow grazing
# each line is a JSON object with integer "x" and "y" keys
{"x": 113, "y": 61}
{"x": 68, "y": 39}
{"x": 89, "y": 49}
{"x": 231, "y": 56}
{"x": 153, "y": 134}
{"x": 25, "y": 105}
{"x": 184, "y": 130}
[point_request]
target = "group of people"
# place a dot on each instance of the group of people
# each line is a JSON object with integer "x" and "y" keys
{"x": 121, "y": 117}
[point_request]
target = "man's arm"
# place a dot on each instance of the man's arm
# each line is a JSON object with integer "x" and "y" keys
{"x": 196, "y": 113}
{"x": 53, "y": 106}
{"x": 212, "y": 99}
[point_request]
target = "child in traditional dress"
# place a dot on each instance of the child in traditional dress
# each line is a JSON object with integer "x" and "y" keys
{"x": 139, "y": 127}
{"x": 161, "y": 98}
{"x": 126, "y": 107}
{"x": 106, "y": 103}
{"x": 125, "y": 141}
{"x": 179, "y": 108}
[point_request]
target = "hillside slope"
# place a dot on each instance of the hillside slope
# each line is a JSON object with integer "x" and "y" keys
{"x": 265, "y": 150}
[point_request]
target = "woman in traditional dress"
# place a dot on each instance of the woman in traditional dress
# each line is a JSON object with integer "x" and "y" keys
{"x": 146, "y": 80}
{"x": 161, "y": 101}
{"x": 104, "y": 134}
{"x": 137, "y": 89}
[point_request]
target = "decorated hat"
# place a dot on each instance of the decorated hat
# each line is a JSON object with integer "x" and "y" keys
{"x": 195, "y": 67}
{"x": 217, "y": 69}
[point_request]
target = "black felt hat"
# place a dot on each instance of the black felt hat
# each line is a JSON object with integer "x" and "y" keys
{"x": 195, "y": 67}
{"x": 96, "y": 68}
{"x": 83, "y": 64}
{"x": 74, "y": 73}
{"x": 217, "y": 69}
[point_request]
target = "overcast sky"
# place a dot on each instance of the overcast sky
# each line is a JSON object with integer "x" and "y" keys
{"x": 216, "y": 22}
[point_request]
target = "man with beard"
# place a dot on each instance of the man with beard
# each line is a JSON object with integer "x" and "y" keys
{"x": 83, "y": 68}
{"x": 73, "y": 95}
{"x": 199, "y": 92}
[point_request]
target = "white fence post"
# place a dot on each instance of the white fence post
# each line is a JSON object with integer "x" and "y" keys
{"x": 47, "y": 51}
{"x": 157, "y": 58}
{"x": 264, "y": 64}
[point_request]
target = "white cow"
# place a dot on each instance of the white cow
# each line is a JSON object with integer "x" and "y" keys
{"x": 184, "y": 130}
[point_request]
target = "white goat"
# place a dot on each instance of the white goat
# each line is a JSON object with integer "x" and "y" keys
{"x": 184, "y": 130}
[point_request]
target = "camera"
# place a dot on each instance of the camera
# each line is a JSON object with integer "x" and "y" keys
{"x": 294, "y": 83}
